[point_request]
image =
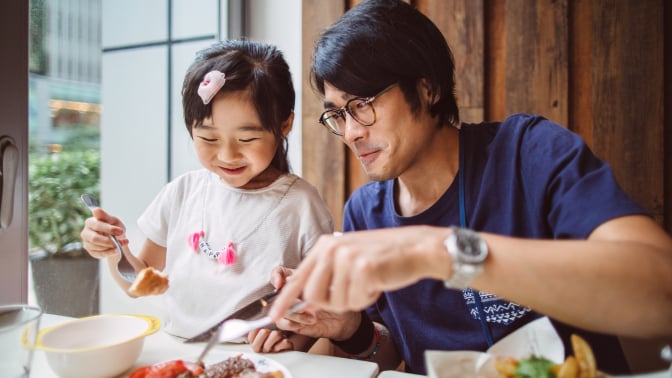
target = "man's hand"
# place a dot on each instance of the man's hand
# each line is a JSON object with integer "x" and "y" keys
{"x": 348, "y": 272}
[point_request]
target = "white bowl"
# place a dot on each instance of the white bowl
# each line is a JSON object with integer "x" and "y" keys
{"x": 96, "y": 346}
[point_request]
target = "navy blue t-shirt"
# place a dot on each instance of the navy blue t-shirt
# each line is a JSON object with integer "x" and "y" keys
{"x": 524, "y": 177}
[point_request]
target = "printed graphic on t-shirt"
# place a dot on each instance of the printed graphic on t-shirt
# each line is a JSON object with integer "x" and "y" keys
{"x": 496, "y": 310}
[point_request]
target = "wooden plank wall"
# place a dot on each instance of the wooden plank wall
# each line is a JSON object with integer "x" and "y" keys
{"x": 324, "y": 155}
{"x": 667, "y": 115}
{"x": 595, "y": 66}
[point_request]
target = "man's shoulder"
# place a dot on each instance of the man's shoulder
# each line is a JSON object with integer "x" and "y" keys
{"x": 519, "y": 130}
{"x": 532, "y": 124}
{"x": 373, "y": 188}
{"x": 515, "y": 122}
{"x": 371, "y": 194}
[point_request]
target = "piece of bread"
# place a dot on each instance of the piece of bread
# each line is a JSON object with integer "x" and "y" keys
{"x": 149, "y": 282}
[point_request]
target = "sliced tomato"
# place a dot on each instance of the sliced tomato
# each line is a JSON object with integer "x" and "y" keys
{"x": 168, "y": 369}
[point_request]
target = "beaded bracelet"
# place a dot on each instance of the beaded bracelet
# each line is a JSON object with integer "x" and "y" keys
{"x": 373, "y": 353}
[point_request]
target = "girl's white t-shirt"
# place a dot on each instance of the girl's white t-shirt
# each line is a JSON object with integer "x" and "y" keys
{"x": 268, "y": 227}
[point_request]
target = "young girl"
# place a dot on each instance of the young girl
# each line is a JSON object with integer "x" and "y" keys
{"x": 218, "y": 232}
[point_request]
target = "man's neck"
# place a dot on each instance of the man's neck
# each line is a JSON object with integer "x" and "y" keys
{"x": 419, "y": 187}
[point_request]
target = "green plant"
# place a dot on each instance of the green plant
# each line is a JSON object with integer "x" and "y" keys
{"x": 55, "y": 212}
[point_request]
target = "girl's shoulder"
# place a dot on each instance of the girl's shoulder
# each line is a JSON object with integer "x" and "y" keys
{"x": 186, "y": 183}
{"x": 298, "y": 182}
{"x": 194, "y": 177}
{"x": 298, "y": 187}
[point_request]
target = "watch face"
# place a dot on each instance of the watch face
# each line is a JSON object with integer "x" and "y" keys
{"x": 472, "y": 248}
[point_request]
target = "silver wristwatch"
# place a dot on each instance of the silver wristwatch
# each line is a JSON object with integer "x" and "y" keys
{"x": 468, "y": 252}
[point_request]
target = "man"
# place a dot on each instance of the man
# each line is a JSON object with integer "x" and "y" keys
{"x": 542, "y": 226}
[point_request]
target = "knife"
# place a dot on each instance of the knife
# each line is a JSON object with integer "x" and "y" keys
{"x": 252, "y": 311}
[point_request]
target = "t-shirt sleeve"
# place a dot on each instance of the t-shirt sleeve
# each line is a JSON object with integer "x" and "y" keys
{"x": 154, "y": 221}
{"x": 348, "y": 216}
{"x": 365, "y": 208}
{"x": 315, "y": 217}
{"x": 578, "y": 189}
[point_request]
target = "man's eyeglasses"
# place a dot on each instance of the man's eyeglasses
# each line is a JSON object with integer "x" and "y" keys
{"x": 360, "y": 109}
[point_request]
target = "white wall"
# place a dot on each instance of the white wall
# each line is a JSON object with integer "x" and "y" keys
{"x": 139, "y": 72}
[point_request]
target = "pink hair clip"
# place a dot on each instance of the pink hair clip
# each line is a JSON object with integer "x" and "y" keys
{"x": 211, "y": 84}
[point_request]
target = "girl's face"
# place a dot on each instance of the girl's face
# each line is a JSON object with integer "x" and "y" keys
{"x": 234, "y": 145}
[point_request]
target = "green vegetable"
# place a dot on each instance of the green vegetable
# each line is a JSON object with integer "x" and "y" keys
{"x": 535, "y": 367}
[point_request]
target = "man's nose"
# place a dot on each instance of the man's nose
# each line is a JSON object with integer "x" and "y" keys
{"x": 353, "y": 130}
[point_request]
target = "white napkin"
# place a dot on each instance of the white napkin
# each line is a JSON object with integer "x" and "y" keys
{"x": 535, "y": 338}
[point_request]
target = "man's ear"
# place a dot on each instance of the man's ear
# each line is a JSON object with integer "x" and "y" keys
{"x": 428, "y": 93}
{"x": 287, "y": 124}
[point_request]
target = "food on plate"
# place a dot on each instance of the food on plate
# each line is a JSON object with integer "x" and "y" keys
{"x": 169, "y": 369}
{"x": 584, "y": 357}
{"x": 580, "y": 365}
{"x": 149, "y": 282}
{"x": 534, "y": 366}
{"x": 232, "y": 367}
{"x": 237, "y": 367}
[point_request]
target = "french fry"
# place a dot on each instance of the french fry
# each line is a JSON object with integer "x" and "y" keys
{"x": 506, "y": 367}
{"x": 581, "y": 365}
{"x": 584, "y": 357}
{"x": 568, "y": 369}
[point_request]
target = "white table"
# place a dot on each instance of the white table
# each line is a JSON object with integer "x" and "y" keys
{"x": 398, "y": 374}
{"x": 161, "y": 347}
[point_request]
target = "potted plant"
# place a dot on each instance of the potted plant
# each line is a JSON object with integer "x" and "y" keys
{"x": 65, "y": 277}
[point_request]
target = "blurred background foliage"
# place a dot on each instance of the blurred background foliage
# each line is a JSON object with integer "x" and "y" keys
{"x": 56, "y": 213}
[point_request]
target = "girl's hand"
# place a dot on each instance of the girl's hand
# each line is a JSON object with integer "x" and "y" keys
{"x": 96, "y": 234}
{"x": 274, "y": 341}
{"x": 279, "y": 276}
{"x": 264, "y": 340}
{"x": 317, "y": 323}
{"x": 312, "y": 321}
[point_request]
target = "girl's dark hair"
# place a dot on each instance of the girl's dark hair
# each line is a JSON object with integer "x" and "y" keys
{"x": 257, "y": 67}
{"x": 381, "y": 42}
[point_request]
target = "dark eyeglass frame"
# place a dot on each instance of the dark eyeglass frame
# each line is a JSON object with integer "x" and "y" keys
{"x": 340, "y": 112}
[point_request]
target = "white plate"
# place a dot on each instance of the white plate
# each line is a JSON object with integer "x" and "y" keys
{"x": 262, "y": 363}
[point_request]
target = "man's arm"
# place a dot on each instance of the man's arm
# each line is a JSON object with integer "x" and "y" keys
{"x": 618, "y": 281}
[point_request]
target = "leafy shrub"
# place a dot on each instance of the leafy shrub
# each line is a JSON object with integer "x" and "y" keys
{"x": 55, "y": 212}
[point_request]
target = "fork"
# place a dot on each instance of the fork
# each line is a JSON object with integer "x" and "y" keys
{"x": 235, "y": 328}
{"x": 124, "y": 267}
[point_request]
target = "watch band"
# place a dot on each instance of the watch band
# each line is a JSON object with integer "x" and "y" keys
{"x": 465, "y": 267}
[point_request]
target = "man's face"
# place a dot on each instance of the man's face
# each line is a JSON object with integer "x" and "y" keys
{"x": 390, "y": 146}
